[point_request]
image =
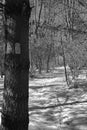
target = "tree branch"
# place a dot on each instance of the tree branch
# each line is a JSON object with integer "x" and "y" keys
{"x": 61, "y": 27}
{"x": 37, "y": 24}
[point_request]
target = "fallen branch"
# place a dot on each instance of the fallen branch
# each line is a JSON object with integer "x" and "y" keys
{"x": 58, "y": 105}
{"x": 45, "y": 86}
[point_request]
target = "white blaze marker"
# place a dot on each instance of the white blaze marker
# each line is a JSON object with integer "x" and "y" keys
{"x": 9, "y": 48}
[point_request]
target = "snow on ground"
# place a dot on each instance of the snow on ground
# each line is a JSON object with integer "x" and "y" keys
{"x": 46, "y": 96}
{"x": 82, "y": 76}
{"x": 42, "y": 82}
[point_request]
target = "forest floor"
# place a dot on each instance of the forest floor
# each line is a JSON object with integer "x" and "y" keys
{"x": 53, "y": 106}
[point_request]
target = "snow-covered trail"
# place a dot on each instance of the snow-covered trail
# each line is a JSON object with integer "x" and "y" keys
{"x": 46, "y": 95}
{"x": 43, "y": 92}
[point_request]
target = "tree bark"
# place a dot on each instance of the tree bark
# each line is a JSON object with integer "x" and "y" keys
{"x": 15, "y": 97}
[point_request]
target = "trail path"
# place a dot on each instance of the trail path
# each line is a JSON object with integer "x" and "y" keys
{"x": 43, "y": 92}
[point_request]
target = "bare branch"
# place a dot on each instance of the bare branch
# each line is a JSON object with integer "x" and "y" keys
{"x": 37, "y": 24}
{"x": 61, "y": 27}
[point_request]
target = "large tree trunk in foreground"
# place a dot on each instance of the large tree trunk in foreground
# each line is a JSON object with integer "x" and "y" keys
{"x": 15, "y": 102}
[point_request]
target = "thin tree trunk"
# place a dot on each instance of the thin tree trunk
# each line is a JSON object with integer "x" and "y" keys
{"x": 15, "y": 97}
{"x": 48, "y": 57}
{"x": 64, "y": 61}
{"x": 40, "y": 66}
{"x": 48, "y": 61}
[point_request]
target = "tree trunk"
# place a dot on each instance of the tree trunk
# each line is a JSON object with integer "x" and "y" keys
{"x": 64, "y": 62}
{"x": 49, "y": 49}
{"x": 48, "y": 61}
{"x": 40, "y": 66}
{"x": 15, "y": 97}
